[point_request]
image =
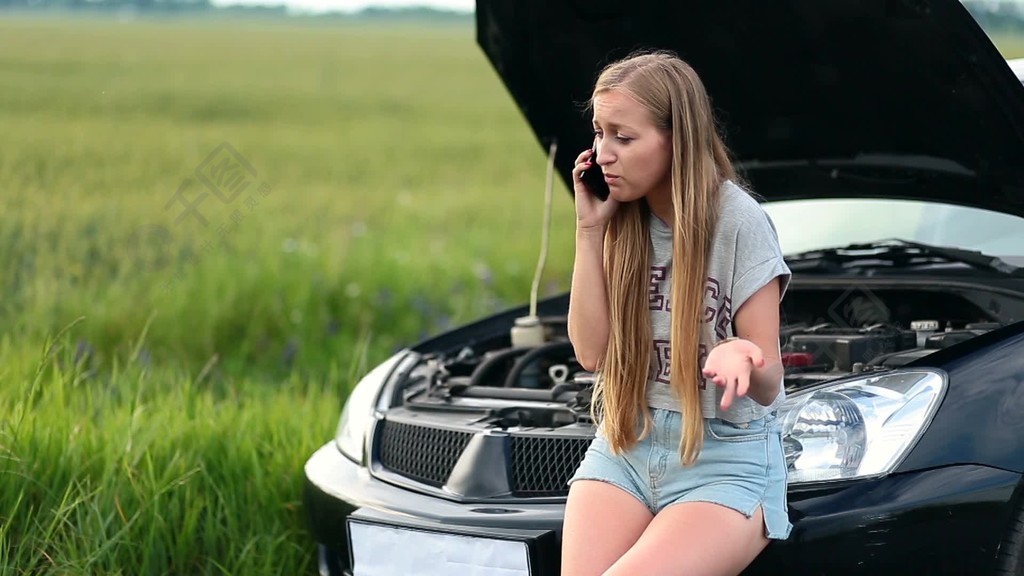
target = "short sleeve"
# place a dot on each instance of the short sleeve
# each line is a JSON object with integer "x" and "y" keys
{"x": 758, "y": 258}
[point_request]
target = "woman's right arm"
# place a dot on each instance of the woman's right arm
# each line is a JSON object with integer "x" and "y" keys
{"x": 588, "y": 324}
{"x": 588, "y": 300}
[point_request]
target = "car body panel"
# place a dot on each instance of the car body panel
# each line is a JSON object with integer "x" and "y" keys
{"x": 948, "y": 520}
{"x": 980, "y": 419}
{"x": 779, "y": 74}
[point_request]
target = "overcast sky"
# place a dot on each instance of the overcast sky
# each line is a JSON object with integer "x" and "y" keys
{"x": 322, "y": 5}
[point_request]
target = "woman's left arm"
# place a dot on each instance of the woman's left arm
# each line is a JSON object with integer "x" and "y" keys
{"x": 752, "y": 364}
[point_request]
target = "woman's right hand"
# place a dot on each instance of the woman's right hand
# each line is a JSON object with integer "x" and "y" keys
{"x": 592, "y": 214}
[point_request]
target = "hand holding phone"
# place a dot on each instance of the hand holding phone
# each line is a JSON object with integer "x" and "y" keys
{"x": 595, "y": 205}
{"x": 593, "y": 177}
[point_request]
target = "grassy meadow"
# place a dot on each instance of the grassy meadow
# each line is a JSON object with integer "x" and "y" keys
{"x": 165, "y": 372}
{"x": 163, "y": 380}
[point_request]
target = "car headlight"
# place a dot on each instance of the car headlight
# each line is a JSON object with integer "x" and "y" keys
{"x": 858, "y": 428}
{"x": 357, "y": 415}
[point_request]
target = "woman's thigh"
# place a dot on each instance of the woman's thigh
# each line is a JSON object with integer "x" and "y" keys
{"x": 602, "y": 522}
{"x": 695, "y": 539}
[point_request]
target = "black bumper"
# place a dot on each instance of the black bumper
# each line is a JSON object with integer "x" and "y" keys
{"x": 943, "y": 521}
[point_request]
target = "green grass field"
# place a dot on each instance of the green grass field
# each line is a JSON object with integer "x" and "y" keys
{"x": 162, "y": 380}
{"x": 397, "y": 192}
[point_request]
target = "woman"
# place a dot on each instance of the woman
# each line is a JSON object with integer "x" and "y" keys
{"x": 675, "y": 298}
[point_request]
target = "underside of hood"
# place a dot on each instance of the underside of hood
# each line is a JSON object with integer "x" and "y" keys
{"x": 817, "y": 98}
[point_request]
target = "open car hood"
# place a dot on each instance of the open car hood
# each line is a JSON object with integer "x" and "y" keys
{"x": 818, "y": 98}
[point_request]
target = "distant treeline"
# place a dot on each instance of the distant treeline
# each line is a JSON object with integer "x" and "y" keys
{"x": 204, "y": 6}
{"x": 159, "y": 5}
{"x": 992, "y": 15}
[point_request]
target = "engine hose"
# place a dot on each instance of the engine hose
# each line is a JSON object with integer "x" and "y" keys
{"x": 488, "y": 364}
{"x": 533, "y": 355}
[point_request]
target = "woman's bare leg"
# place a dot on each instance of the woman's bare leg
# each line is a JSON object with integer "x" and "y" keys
{"x": 695, "y": 539}
{"x": 602, "y": 522}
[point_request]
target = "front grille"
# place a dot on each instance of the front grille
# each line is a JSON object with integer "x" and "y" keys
{"x": 541, "y": 466}
{"x": 422, "y": 453}
{"x": 538, "y": 465}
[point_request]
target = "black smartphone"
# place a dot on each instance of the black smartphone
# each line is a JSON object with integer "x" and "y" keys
{"x": 594, "y": 178}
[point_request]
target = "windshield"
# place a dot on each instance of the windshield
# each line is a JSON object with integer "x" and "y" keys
{"x": 811, "y": 224}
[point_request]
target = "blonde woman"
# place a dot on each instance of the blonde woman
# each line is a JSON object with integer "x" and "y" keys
{"x": 675, "y": 304}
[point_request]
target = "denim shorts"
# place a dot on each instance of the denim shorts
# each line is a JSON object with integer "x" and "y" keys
{"x": 740, "y": 466}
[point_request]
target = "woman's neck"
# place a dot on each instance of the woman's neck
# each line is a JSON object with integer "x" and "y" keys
{"x": 660, "y": 203}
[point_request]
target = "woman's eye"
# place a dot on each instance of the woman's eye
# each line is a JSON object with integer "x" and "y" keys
{"x": 598, "y": 134}
{"x": 623, "y": 139}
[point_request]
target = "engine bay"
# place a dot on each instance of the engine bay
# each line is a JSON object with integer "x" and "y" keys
{"x": 827, "y": 332}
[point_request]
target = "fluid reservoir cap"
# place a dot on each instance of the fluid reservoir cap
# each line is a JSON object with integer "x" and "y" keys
{"x": 527, "y": 331}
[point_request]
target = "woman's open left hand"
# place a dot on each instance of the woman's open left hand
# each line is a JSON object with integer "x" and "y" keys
{"x": 730, "y": 364}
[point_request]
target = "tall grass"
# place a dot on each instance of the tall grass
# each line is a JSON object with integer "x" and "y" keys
{"x": 161, "y": 381}
{"x": 123, "y": 473}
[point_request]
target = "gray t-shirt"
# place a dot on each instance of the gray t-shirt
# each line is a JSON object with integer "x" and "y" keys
{"x": 745, "y": 256}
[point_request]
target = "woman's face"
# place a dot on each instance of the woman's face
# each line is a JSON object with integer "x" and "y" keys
{"x": 634, "y": 154}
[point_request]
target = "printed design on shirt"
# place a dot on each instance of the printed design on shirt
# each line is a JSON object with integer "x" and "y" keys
{"x": 719, "y": 315}
{"x": 656, "y": 299}
{"x": 663, "y": 353}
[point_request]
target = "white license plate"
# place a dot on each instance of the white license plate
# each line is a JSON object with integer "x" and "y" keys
{"x": 382, "y": 550}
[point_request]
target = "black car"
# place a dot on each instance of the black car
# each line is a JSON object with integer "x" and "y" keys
{"x": 887, "y": 140}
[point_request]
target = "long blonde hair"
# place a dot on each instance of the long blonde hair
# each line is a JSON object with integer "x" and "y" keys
{"x": 678, "y": 103}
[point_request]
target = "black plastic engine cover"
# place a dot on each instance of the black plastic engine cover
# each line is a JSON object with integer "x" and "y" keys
{"x": 843, "y": 350}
